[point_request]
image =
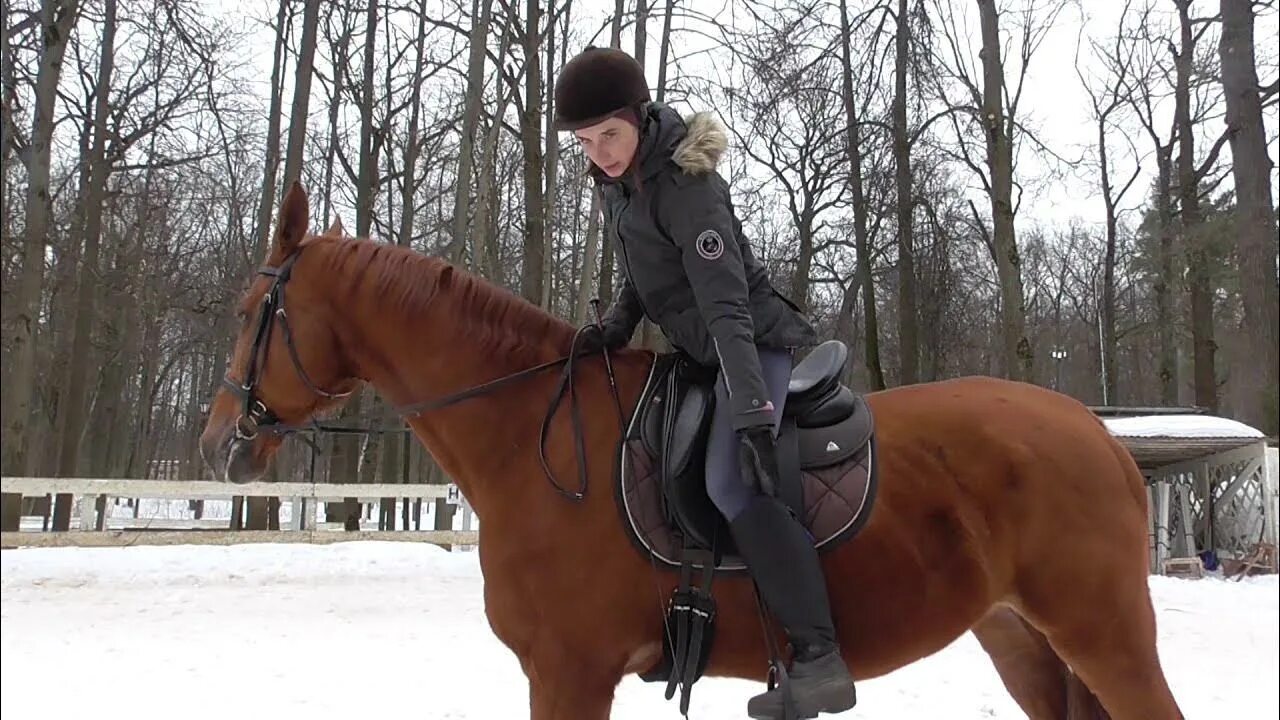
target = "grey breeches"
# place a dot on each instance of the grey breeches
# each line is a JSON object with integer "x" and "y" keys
{"x": 724, "y": 480}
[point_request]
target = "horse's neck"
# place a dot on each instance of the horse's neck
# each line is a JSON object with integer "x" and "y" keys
{"x": 480, "y": 441}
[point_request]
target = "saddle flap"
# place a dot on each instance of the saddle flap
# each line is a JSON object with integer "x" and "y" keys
{"x": 687, "y": 430}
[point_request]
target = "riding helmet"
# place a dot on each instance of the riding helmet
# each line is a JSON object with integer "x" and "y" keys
{"x": 595, "y": 84}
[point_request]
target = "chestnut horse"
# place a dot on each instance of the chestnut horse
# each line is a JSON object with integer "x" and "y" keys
{"x": 1003, "y": 508}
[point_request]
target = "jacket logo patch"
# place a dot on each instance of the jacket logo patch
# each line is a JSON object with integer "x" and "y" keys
{"x": 709, "y": 245}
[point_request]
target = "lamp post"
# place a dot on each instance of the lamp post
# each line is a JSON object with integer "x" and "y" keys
{"x": 1058, "y": 355}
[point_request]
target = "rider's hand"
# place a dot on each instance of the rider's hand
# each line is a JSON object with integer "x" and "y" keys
{"x": 596, "y": 337}
{"x": 758, "y": 458}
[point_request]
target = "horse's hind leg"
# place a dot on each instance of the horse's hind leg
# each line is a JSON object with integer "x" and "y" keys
{"x": 1035, "y": 676}
{"x": 1094, "y": 606}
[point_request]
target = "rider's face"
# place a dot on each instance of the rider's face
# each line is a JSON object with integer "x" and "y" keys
{"x": 610, "y": 144}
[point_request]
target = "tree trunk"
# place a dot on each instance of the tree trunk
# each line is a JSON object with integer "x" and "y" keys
{"x": 262, "y": 225}
{"x": 72, "y": 418}
{"x": 1166, "y": 277}
{"x": 551, "y": 159}
{"x": 908, "y": 315}
{"x": 664, "y": 50}
{"x": 57, "y": 18}
{"x": 1108, "y": 300}
{"x": 606, "y": 249}
{"x": 8, "y": 94}
{"x": 1256, "y": 220}
{"x": 853, "y": 145}
{"x": 365, "y": 183}
{"x": 485, "y": 253}
{"x": 405, "y": 237}
{"x": 1199, "y": 275}
{"x": 340, "y": 60}
{"x": 642, "y": 30}
{"x": 581, "y": 313}
{"x": 1017, "y": 347}
{"x": 301, "y": 95}
{"x": 531, "y": 141}
{"x": 470, "y": 120}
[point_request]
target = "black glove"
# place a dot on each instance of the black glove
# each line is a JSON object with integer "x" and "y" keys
{"x": 758, "y": 459}
{"x": 596, "y": 337}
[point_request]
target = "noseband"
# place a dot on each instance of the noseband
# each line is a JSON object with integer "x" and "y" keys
{"x": 256, "y": 417}
{"x": 254, "y": 413}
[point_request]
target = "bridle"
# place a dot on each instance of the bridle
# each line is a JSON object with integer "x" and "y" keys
{"x": 254, "y": 413}
{"x": 255, "y": 417}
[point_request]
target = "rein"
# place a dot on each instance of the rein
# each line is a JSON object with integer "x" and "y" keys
{"x": 256, "y": 417}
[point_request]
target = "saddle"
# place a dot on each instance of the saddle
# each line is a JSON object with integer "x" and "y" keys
{"x": 826, "y": 446}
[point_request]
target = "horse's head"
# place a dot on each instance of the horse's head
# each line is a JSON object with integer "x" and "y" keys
{"x": 287, "y": 365}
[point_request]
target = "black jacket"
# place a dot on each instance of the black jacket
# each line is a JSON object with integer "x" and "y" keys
{"x": 686, "y": 264}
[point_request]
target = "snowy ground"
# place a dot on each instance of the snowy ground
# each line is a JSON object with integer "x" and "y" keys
{"x": 375, "y": 629}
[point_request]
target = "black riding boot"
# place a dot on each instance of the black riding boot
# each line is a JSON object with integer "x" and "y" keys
{"x": 785, "y": 566}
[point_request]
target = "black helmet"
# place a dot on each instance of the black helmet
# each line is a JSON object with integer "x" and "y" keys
{"x": 595, "y": 84}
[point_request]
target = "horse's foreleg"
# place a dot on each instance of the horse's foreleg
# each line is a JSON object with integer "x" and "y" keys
{"x": 563, "y": 687}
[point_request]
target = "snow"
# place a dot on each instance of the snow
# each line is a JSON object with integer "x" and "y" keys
{"x": 379, "y": 629}
{"x": 1180, "y": 426}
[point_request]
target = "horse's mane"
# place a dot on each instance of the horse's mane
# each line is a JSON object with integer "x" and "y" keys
{"x": 409, "y": 282}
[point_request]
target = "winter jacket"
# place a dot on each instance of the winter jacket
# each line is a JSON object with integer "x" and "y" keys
{"x": 686, "y": 264}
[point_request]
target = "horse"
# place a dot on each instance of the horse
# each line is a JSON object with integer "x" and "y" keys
{"x": 1003, "y": 508}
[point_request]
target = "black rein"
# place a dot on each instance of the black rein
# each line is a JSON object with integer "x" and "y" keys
{"x": 256, "y": 417}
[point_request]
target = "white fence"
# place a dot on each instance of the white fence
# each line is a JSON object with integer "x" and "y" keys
{"x": 300, "y": 499}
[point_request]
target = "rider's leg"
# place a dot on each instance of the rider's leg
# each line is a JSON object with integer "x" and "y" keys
{"x": 781, "y": 558}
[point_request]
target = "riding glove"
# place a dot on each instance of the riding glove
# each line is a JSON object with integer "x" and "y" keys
{"x": 758, "y": 458}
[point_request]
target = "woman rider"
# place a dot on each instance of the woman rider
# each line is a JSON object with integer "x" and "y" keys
{"x": 689, "y": 269}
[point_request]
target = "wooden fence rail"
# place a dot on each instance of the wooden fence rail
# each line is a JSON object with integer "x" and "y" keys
{"x": 304, "y": 531}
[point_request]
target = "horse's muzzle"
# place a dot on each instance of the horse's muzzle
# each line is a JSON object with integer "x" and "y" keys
{"x": 229, "y": 457}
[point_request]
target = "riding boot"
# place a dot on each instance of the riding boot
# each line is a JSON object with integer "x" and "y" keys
{"x": 784, "y": 564}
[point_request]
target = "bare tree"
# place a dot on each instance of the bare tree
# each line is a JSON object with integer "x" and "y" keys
{"x": 271, "y": 165}
{"x": 531, "y": 141}
{"x": 57, "y": 18}
{"x": 301, "y": 94}
{"x": 482, "y": 11}
{"x": 606, "y": 252}
{"x": 862, "y": 247}
{"x": 1256, "y": 220}
{"x": 995, "y": 112}
{"x": 1190, "y": 214}
{"x": 1106, "y": 102}
{"x": 1143, "y": 94}
{"x": 908, "y": 319}
{"x": 71, "y": 420}
{"x": 789, "y": 122}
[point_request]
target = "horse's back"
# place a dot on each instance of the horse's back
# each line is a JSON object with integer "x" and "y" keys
{"x": 1003, "y": 468}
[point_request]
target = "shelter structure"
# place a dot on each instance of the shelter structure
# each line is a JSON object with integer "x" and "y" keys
{"x": 1211, "y": 482}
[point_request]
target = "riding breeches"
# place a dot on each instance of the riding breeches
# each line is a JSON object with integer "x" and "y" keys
{"x": 724, "y": 479}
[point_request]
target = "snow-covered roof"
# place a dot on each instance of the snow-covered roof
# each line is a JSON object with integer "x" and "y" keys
{"x": 1180, "y": 426}
{"x": 1159, "y": 440}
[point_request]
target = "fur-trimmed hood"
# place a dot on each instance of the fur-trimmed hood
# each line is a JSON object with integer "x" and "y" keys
{"x": 703, "y": 145}
{"x": 695, "y": 143}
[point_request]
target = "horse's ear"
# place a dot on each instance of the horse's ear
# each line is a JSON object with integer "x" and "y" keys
{"x": 335, "y": 230}
{"x": 294, "y": 220}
